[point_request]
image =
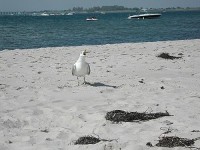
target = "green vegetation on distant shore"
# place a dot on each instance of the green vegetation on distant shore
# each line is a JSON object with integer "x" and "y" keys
{"x": 122, "y": 8}
{"x": 102, "y": 9}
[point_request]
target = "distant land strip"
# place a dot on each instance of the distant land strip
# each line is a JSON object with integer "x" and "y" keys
{"x": 102, "y": 9}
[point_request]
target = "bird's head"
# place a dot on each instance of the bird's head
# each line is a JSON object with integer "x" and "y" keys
{"x": 84, "y": 53}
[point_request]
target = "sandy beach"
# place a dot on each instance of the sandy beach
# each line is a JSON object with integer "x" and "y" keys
{"x": 43, "y": 108}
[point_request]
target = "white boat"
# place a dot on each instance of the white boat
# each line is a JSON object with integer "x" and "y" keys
{"x": 44, "y": 14}
{"x": 70, "y": 13}
{"x": 92, "y": 19}
{"x": 145, "y": 16}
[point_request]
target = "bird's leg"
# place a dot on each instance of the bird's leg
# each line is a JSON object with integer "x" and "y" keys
{"x": 84, "y": 81}
{"x": 78, "y": 81}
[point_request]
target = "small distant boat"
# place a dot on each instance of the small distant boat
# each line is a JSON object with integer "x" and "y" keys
{"x": 44, "y": 14}
{"x": 92, "y": 19}
{"x": 145, "y": 16}
{"x": 103, "y": 13}
{"x": 70, "y": 13}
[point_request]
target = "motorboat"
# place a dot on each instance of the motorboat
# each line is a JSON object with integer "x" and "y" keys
{"x": 70, "y": 13}
{"x": 44, "y": 14}
{"x": 144, "y": 16}
{"x": 92, "y": 19}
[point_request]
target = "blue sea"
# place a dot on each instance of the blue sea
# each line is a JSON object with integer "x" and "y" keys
{"x": 24, "y": 32}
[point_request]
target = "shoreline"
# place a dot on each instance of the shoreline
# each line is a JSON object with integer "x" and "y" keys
{"x": 60, "y": 47}
{"x": 41, "y": 106}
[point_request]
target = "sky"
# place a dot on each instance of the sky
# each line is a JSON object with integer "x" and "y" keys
{"x": 37, "y": 5}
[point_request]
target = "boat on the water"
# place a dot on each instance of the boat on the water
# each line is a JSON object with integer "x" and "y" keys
{"x": 44, "y": 14}
{"x": 144, "y": 16}
{"x": 70, "y": 13}
{"x": 92, "y": 19}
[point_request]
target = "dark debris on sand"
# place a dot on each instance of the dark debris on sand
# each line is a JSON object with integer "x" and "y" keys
{"x": 174, "y": 141}
{"x": 123, "y": 116}
{"x": 87, "y": 140}
{"x": 45, "y": 130}
{"x": 167, "y": 56}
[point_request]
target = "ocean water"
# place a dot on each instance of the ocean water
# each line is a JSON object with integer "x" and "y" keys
{"x": 24, "y": 32}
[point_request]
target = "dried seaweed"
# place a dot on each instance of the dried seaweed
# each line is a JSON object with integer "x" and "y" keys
{"x": 195, "y": 131}
{"x": 91, "y": 140}
{"x": 149, "y": 144}
{"x": 167, "y": 56}
{"x": 122, "y": 116}
{"x": 45, "y": 130}
{"x": 174, "y": 141}
{"x": 87, "y": 140}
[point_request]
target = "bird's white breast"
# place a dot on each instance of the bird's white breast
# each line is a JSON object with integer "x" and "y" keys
{"x": 81, "y": 68}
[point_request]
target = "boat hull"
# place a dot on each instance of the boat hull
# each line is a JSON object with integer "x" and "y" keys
{"x": 145, "y": 16}
{"x": 91, "y": 19}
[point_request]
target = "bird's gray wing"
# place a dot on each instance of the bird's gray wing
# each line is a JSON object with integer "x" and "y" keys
{"x": 88, "y": 69}
{"x": 73, "y": 69}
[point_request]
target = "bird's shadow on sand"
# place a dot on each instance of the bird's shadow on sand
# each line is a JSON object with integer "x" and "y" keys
{"x": 99, "y": 84}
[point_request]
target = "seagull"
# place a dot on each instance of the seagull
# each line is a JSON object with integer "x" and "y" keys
{"x": 81, "y": 68}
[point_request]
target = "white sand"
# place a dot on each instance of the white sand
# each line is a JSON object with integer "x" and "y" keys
{"x": 38, "y": 92}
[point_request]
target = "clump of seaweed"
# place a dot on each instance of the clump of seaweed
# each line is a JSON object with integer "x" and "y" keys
{"x": 123, "y": 116}
{"x": 87, "y": 140}
{"x": 91, "y": 140}
{"x": 174, "y": 141}
{"x": 167, "y": 56}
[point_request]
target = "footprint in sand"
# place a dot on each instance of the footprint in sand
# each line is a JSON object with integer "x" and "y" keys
{"x": 37, "y": 112}
{"x": 107, "y": 91}
{"x": 11, "y": 123}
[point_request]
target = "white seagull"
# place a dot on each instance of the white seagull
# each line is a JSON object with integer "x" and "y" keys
{"x": 81, "y": 68}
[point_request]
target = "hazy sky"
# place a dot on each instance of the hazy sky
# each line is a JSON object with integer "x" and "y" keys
{"x": 31, "y": 5}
